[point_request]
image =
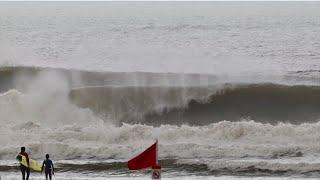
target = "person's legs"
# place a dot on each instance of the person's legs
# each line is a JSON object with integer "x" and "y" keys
{"x": 50, "y": 175}
{"x": 46, "y": 175}
{"x": 28, "y": 173}
{"x": 23, "y": 171}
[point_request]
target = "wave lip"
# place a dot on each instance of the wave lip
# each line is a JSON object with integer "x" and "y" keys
{"x": 267, "y": 103}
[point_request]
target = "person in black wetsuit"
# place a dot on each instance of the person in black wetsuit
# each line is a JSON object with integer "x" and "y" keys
{"x": 24, "y": 170}
{"x": 49, "y": 169}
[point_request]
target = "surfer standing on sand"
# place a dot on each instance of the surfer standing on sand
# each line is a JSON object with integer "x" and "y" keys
{"x": 49, "y": 169}
{"x": 23, "y": 168}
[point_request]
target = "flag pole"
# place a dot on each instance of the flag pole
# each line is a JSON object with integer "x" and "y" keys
{"x": 156, "y": 170}
{"x": 157, "y": 152}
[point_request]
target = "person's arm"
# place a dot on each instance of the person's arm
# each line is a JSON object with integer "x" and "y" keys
{"x": 42, "y": 167}
{"x": 52, "y": 167}
{"x": 27, "y": 157}
{"x": 18, "y": 157}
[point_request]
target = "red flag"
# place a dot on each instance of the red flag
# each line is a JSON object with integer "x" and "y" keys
{"x": 147, "y": 158}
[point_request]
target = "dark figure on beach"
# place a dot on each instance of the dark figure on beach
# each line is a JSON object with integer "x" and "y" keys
{"x": 24, "y": 170}
{"x": 49, "y": 169}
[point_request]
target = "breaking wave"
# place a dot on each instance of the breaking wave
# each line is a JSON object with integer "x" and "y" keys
{"x": 268, "y": 103}
{"x": 70, "y": 132}
{"x": 168, "y": 98}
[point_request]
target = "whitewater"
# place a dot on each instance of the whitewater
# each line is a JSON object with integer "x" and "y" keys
{"x": 231, "y": 90}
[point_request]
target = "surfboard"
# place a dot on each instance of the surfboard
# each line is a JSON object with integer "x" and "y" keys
{"x": 34, "y": 165}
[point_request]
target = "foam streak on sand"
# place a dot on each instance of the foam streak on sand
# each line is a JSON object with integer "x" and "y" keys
{"x": 147, "y": 177}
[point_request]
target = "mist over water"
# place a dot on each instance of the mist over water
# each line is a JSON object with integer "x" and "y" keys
{"x": 226, "y": 88}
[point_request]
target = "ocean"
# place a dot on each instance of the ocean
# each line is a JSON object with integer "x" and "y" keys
{"x": 231, "y": 90}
